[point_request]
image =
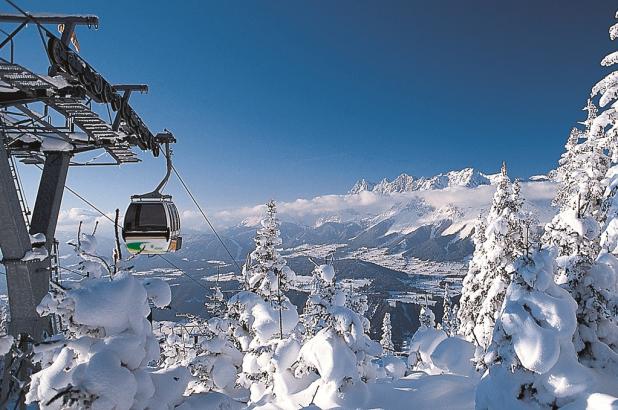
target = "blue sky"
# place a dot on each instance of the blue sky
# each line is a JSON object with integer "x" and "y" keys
{"x": 286, "y": 99}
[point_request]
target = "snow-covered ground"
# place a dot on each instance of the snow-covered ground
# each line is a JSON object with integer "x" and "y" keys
{"x": 423, "y": 392}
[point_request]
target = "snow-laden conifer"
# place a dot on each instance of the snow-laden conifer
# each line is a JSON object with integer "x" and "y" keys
{"x": 531, "y": 360}
{"x": 387, "y": 335}
{"x": 263, "y": 317}
{"x": 206, "y": 349}
{"x": 335, "y": 363}
{"x": 471, "y": 296}
{"x": 322, "y": 295}
{"x": 455, "y": 321}
{"x": 426, "y": 317}
{"x": 339, "y": 359}
{"x": 356, "y": 299}
{"x": 487, "y": 279}
{"x": 424, "y": 341}
{"x": 101, "y": 359}
{"x": 583, "y": 268}
{"x": 266, "y": 273}
{"x": 603, "y": 303}
{"x": 447, "y": 312}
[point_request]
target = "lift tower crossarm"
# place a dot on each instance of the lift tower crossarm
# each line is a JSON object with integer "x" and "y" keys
{"x": 69, "y": 22}
{"x": 142, "y": 88}
{"x": 127, "y": 90}
{"x": 86, "y": 19}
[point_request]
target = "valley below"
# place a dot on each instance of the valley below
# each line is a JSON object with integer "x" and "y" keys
{"x": 399, "y": 246}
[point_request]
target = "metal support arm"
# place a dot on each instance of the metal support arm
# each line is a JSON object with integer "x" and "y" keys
{"x": 49, "y": 196}
{"x": 87, "y": 19}
{"x": 166, "y": 138}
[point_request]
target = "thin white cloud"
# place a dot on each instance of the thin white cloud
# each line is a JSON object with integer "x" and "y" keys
{"x": 538, "y": 195}
{"x": 366, "y": 204}
{"x": 69, "y": 219}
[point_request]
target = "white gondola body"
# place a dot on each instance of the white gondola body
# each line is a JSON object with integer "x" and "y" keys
{"x": 152, "y": 226}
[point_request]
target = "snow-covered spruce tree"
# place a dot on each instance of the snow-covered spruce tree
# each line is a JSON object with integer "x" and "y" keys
{"x": 586, "y": 272}
{"x": 607, "y": 122}
{"x": 609, "y": 234}
{"x": 215, "y": 303}
{"x": 387, "y": 335}
{"x": 447, "y": 312}
{"x": 426, "y": 317}
{"x": 101, "y": 360}
{"x": 471, "y": 297}
{"x": 531, "y": 361}
{"x": 263, "y": 317}
{"x": 487, "y": 279}
{"x": 424, "y": 341}
{"x": 338, "y": 360}
{"x": 392, "y": 366}
{"x": 205, "y": 347}
{"x": 323, "y": 294}
{"x": 267, "y": 273}
{"x": 455, "y": 321}
{"x": 530, "y": 231}
{"x": 356, "y": 299}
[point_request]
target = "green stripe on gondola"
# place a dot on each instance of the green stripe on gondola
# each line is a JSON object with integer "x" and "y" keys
{"x": 135, "y": 246}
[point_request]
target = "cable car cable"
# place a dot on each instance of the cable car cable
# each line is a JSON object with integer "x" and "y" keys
{"x": 206, "y": 218}
{"x": 183, "y": 272}
{"x": 84, "y": 199}
{"x": 72, "y": 271}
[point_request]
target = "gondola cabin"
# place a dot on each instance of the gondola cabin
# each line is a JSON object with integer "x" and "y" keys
{"x": 152, "y": 225}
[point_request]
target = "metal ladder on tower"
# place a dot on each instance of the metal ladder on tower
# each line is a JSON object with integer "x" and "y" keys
{"x": 23, "y": 204}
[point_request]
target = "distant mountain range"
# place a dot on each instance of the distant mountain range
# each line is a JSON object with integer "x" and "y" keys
{"x": 467, "y": 178}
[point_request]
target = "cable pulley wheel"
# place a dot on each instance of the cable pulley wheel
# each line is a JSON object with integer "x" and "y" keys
{"x": 116, "y": 102}
{"x": 108, "y": 93}
{"x": 57, "y": 52}
{"x": 88, "y": 77}
{"x": 97, "y": 86}
{"x": 74, "y": 66}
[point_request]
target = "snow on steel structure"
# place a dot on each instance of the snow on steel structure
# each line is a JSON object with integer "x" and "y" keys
{"x": 48, "y": 120}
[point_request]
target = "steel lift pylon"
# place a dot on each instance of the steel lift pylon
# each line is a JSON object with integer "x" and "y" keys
{"x": 51, "y": 120}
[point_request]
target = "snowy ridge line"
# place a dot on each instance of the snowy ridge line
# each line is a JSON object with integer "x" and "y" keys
{"x": 467, "y": 177}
